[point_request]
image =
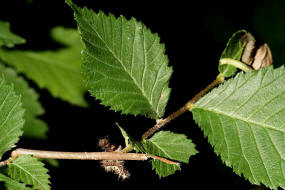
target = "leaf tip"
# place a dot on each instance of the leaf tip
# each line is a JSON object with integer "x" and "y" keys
{"x": 71, "y": 4}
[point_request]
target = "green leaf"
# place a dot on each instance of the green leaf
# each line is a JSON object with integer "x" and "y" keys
{"x": 137, "y": 145}
{"x": 29, "y": 170}
{"x": 244, "y": 122}
{"x": 11, "y": 117}
{"x": 52, "y": 162}
{"x": 12, "y": 184}
{"x": 58, "y": 70}
{"x": 69, "y": 37}
{"x": 7, "y": 38}
{"x": 125, "y": 65}
{"x": 33, "y": 127}
{"x": 169, "y": 145}
{"x": 233, "y": 50}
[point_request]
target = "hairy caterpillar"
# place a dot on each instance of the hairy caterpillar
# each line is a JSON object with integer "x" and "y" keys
{"x": 115, "y": 166}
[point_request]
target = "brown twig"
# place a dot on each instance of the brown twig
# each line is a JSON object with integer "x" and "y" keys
{"x": 188, "y": 106}
{"x": 82, "y": 156}
{"x": 79, "y": 155}
{"x": 5, "y": 162}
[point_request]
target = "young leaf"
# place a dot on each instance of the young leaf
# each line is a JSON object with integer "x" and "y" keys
{"x": 234, "y": 50}
{"x": 58, "y": 71}
{"x": 12, "y": 184}
{"x": 137, "y": 145}
{"x": 11, "y": 117}
{"x": 244, "y": 121}
{"x": 33, "y": 127}
{"x": 29, "y": 170}
{"x": 7, "y": 38}
{"x": 125, "y": 65}
{"x": 169, "y": 145}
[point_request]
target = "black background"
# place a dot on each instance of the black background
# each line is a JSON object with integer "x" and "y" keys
{"x": 194, "y": 43}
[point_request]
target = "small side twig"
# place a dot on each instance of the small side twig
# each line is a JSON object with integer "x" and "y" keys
{"x": 188, "y": 106}
{"x": 162, "y": 159}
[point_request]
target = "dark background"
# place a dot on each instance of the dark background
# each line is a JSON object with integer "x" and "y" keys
{"x": 195, "y": 36}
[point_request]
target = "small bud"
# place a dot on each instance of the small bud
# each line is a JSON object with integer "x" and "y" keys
{"x": 263, "y": 57}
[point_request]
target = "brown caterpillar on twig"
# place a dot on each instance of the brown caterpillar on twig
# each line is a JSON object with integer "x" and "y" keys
{"x": 115, "y": 166}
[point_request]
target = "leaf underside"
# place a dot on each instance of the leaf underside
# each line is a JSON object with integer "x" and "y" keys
{"x": 33, "y": 126}
{"x": 125, "y": 65}
{"x": 58, "y": 71}
{"x": 244, "y": 121}
{"x": 233, "y": 50}
{"x": 172, "y": 146}
{"x": 29, "y": 170}
{"x": 7, "y": 38}
{"x": 11, "y": 117}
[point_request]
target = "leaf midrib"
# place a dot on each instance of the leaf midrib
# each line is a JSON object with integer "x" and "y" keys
{"x": 241, "y": 119}
{"x": 143, "y": 93}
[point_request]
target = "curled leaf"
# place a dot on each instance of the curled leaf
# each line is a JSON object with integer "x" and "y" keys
{"x": 234, "y": 50}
